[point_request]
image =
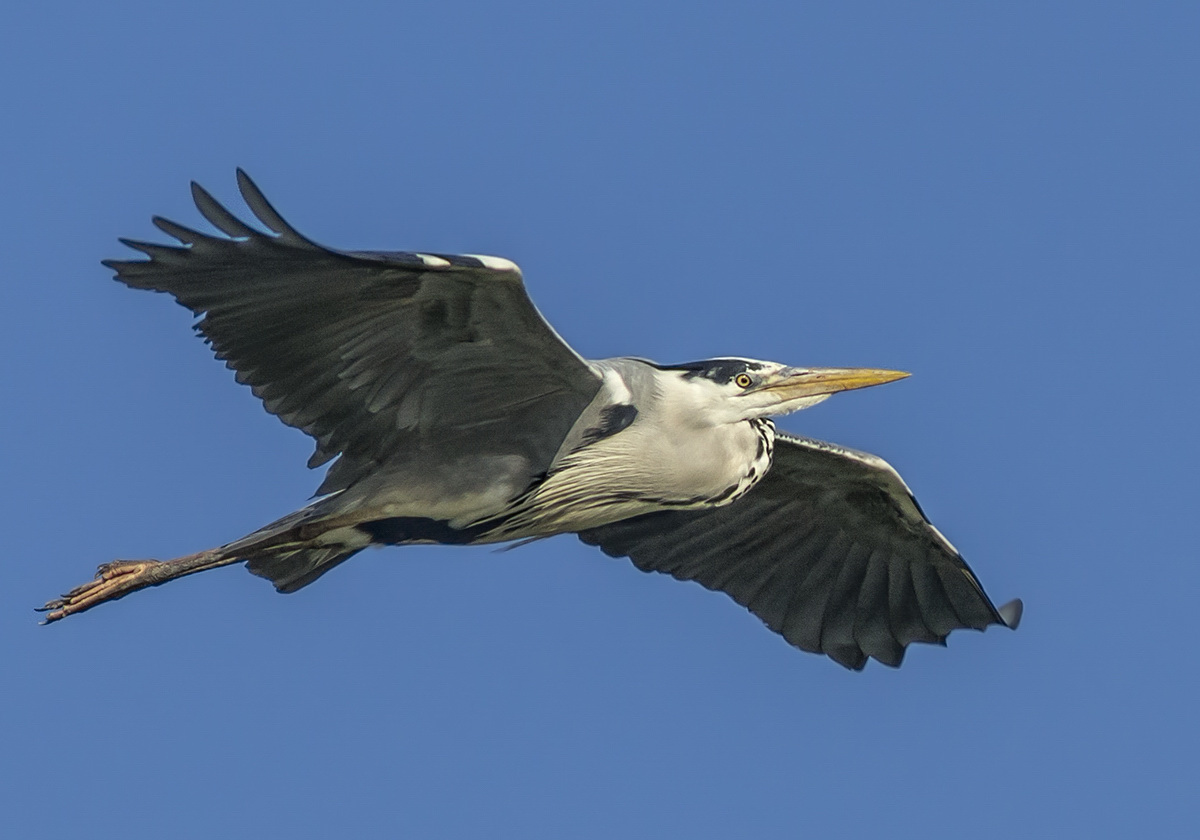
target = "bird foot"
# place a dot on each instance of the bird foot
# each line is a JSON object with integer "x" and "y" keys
{"x": 112, "y": 581}
{"x": 119, "y": 578}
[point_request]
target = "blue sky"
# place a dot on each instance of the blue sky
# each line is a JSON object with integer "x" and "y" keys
{"x": 1001, "y": 199}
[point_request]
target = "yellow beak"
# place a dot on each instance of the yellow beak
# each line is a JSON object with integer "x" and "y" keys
{"x": 811, "y": 382}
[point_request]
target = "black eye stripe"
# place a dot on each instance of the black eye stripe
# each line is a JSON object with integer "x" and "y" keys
{"x": 721, "y": 371}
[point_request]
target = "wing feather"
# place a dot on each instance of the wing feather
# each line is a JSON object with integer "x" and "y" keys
{"x": 376, "y": 355}
{"x": 872, "y": 624}
{"x": 830, "y": 550}
{"x": 806, "y": 614}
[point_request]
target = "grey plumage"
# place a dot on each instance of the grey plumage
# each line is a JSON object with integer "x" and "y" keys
{"x": 453, "y": 413}
{"x": 830, "y": 550}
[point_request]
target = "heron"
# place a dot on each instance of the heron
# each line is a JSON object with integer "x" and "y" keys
{"x": 453, "y": 413}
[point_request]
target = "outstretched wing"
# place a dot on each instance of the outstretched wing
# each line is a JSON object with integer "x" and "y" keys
{"x": 372, "y": 353}
{"x": 830, "y": 550}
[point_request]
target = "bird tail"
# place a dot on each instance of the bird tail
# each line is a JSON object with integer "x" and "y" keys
{"x": 294, "y": 551}
{"x": 297, "y": 568}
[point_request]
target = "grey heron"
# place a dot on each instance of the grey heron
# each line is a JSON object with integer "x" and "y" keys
{"x": 453, "y": 413}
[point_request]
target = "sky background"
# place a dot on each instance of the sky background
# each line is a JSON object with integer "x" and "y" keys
{"x": 1003, "y": 199}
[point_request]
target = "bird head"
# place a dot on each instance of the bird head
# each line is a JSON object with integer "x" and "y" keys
{"x": 735, "y": 389}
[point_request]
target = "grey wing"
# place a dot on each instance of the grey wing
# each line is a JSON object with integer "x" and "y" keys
{"x": 830, "y": 550}
{"x": 373, "y": 354}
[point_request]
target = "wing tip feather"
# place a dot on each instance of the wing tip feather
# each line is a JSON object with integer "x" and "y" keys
{"x": 1011, "y": 613}
{"x": 219, "y": 216}
{"x": 266, "y": 213}
{"x": 183, "y": 233}
{"x": 849, "y": 656}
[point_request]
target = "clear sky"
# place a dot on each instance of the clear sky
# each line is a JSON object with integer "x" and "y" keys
{"x": 1003, "y": 199}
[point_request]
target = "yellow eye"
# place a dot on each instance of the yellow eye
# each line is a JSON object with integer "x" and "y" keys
{"x": 743, "y": 380}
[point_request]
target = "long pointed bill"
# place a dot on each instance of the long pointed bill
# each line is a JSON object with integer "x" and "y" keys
{"x": 793, "y": 383}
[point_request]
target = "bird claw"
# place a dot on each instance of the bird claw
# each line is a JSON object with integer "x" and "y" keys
{"x": 112, "y": 581}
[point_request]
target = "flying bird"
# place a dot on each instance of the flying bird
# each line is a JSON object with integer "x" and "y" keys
{"x": 453, "y": 413}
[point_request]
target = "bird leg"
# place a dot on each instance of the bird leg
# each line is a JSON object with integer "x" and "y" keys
{"x": 119, "y": 578}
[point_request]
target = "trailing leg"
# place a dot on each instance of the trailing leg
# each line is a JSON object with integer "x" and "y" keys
{"x": 119, "y": 578}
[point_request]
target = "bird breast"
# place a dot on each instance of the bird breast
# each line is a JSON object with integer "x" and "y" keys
{"x": 695, "y": 466}
{"x": 640, "y": 470}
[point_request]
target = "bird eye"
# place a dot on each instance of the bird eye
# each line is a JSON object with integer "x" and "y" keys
{"x": 743, "y": 380}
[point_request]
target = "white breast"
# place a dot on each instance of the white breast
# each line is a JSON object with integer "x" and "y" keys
{"x": 673, "y": 456}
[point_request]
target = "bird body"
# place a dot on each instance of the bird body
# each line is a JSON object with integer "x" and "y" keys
{"x": 453, "y": 413}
